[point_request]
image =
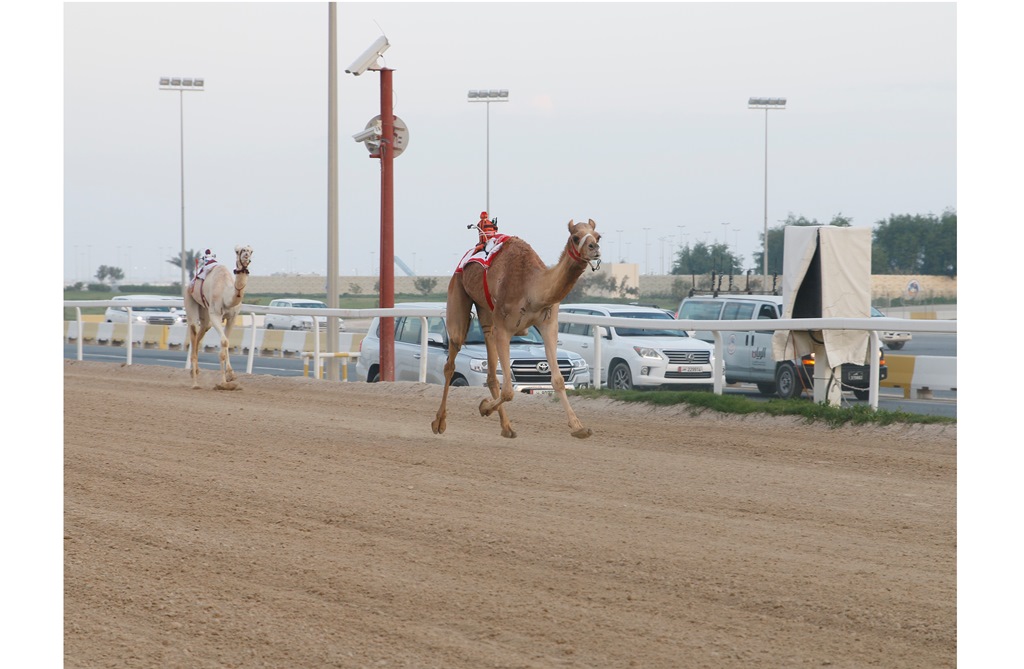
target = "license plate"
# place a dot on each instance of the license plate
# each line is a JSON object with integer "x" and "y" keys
{"x": 856, "y": 376}
{"x": 689, "y": 370}
{"x": 542, "y": 391}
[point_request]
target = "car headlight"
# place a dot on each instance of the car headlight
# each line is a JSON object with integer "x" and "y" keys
{"x": 578, "y": 363}
{"x": 479, "y": 365}
{"x": 647, "y": 352}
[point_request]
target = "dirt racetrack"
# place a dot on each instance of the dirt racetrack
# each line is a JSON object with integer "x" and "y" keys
{"x": 299, "y": 523}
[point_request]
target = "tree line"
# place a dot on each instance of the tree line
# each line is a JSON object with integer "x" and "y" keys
{"x": 902, "y": 244}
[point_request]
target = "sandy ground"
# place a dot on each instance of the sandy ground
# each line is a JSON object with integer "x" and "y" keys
{"x": 302, "y": 523}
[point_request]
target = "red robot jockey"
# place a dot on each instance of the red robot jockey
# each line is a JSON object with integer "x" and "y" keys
{"x": 487, "y": 229}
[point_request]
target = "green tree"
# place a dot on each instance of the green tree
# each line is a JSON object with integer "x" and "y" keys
{"x": 702, "y": 258}
{"x": 107, "y": 274}
{"x": 425, "y": 284}
{"x": 917, "y": 244}
{"x": 190, "y": 262}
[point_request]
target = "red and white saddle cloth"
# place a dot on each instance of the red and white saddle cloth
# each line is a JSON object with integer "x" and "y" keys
{"x": 195, "y": 288}
{"x": 484, "y": 257}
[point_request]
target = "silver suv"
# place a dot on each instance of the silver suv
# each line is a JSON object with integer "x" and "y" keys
{"x": 748, "y": 353}
{"x": 530, "y": 370}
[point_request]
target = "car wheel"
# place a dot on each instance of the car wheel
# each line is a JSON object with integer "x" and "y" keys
{"x": 895, "y": 345}
{"x": 619, "y": 377}
{"x": 375, "y": 376}
{"x": 766, "y": 388}
{"x": 270, "y": 326}
{"x": 787, "y": 383}
{"x": 459, "y": 381}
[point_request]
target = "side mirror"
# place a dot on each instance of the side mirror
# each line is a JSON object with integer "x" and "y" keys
{"x": 603, "y": 332}
{"x": 435, "y": 339}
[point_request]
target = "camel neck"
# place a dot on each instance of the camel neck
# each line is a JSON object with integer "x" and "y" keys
{"x": 562, "y": 278}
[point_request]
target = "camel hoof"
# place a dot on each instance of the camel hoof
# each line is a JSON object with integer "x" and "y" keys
{"x": 509, "y": 433}
{"x": 583, "y": 433}
{"x": 485, "y": 412}
{"x": 230, "y": 385}
{"x": 437, "y": 425}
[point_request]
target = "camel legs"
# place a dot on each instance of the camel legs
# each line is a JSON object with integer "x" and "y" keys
{"x": 457, "y": 322}
{"x": 225, "y": 350}
{"x": 549, "y": 330}
{"x": 227, "y": 374}
{"x": 440, "y": 422}
{"x": 497, "y": 402}
{"x": 195, "y": 336}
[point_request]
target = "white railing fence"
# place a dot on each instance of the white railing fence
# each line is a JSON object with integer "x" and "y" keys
{"x": 871, "y": 325}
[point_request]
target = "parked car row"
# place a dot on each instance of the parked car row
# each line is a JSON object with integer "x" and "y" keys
{"x": 530, "y": 369}
{"x": 631, "y": 357}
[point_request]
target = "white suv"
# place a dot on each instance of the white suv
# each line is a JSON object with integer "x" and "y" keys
{"x": 168, "y": 315}
{"x": 530, "y": 370}
{"x": 894, "y": 341}
{"x": 296, "y": 322}
{"x": 639, "y": 357}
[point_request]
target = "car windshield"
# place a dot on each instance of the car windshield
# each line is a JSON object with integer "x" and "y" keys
{"x": 309, "y": 305}
{"x": 476, "y": 335}
{"x": 162, "y": 309}
{"x": 701, "y": 310}
{"x": 647, "y": 332}
{"x": 875, "y": 313}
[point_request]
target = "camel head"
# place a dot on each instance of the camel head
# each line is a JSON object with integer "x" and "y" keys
{"x": 584, "y": 244}
{"x": 243, "y": 255}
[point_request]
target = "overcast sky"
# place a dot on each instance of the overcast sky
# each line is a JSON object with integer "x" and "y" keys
{"x": 633, "y": 114}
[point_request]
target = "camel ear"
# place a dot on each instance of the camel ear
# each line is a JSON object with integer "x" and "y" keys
{"x": 570, "y": 227}
{"x": 592, "y": 224}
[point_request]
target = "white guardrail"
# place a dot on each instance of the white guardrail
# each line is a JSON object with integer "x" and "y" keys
{"x": 935, "y": 370}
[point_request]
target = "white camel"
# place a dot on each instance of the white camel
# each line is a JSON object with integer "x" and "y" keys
{"x": 214, "y": 300}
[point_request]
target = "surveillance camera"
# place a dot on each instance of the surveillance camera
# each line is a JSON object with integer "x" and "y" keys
{"x": 369, "y": 57}
{"x": 371, "y": 134}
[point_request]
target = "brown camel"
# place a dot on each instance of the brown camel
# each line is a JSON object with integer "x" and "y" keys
{"x": 215, "y": 300}
{"x": 517, "y": 290}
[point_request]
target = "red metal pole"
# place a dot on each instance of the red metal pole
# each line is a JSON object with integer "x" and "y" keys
{"x": 387, "y": 226}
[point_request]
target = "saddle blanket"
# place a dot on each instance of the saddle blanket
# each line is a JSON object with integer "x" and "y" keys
{"x": 484, "y": 256}
{"x": 195, "y": 288}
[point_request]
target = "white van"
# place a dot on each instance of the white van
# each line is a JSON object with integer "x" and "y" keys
{"x": 747, "y": 354}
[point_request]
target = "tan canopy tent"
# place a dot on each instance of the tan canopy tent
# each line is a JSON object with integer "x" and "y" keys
{"x": 826, "y": 274}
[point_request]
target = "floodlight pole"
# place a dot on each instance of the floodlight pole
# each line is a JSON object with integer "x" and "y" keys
{"x": 488, "y": 96}
{"x": 182, "y": 84}
{"x": 332, "y": 371}
{"x": 766, "y": 104}
{"x": 386, "y": 154}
